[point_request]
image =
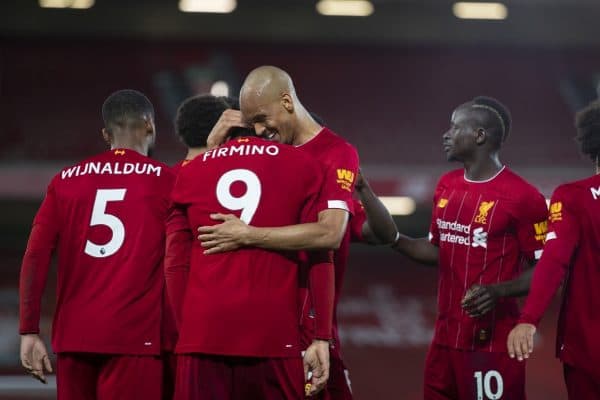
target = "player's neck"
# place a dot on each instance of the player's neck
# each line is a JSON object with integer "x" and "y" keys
{"x": 123, "y": 144}
{"x": 482, "y": 169}
{"x": 194, "y": 152}
{"x": 308, "y": 129}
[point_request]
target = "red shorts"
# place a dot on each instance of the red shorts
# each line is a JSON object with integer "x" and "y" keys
{"x": 207, "y": 377}
{"x": 85, "y": 376}
{"x": 580, "y": 384}
{"x": 472, "y": 375}
{"x": 338, "y": 386}
{"x": 169, "y": 368}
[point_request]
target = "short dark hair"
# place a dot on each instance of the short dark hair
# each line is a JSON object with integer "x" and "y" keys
{"x": 587, "y": 122}
{"x": 196, "y": 117}
{"x": 233, "y": 102}
{"x": 125, "y": 107}
{"x": 498, "y": 119}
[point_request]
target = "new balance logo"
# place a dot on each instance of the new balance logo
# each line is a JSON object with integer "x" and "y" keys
{"x": 479, "y": 238}
{"x": 595, "y": 193}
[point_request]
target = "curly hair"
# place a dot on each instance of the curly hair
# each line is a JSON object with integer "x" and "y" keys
{"x": 196, "y": 117}
{"x": 587, "y": 122}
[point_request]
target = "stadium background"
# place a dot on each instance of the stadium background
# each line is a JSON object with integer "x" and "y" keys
{"x": 387, "y": 82}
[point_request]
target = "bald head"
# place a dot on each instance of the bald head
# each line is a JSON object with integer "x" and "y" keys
{"x": 267, "y": 84}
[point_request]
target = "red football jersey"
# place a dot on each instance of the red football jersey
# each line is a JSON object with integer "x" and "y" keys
{"x": 169, "y": 325}
{"x": 572, "y": 250}
{"x": 357, "y": 221}
{"x": 106, "y": 218}
{"x": 245, "y": 303}
{"x": 483, "y": 230}
{"x": 340, "y": 161}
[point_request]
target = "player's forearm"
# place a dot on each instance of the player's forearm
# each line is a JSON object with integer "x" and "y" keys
{"x": 322, "y": 291}
{"x": 547, "y": 278}
{"x": 33, "y": 277}
{"x": 381, "y": 225}
{"x": 310, "y": 236}
{"x": 420, "y": 249}
{"x": 517, "y": 287}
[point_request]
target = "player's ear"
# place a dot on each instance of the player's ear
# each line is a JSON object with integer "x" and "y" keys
{"x": 481, "y": 136}
{"x": 149, "y": 125}
{"x": 107, "y": 136}
{"x": 287, "y": 103}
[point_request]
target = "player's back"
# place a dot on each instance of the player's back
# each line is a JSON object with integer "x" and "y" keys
{"x": 245, "y": 302}
{"x": 579, "y": 326}
{"x": 111, "y": 210}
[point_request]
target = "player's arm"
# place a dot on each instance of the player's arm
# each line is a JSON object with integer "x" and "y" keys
{"x": 177, "y": 260}
{"x": 561, "y": 244}
{"x": 325, "y": 234}
{"x": 531, "y": 227}
{"x": 379, "y": 226}
{"x": 480, "y": 299}
{"x": 32, "y": 281}
{"x": 322, "y": 292}
{"x": 417, "y": 249}
{"x": 228, "y": 120}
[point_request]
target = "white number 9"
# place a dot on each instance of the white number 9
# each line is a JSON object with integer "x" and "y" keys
{"x": 248, "y": 203}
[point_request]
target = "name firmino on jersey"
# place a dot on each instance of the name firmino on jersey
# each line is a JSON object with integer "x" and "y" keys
{"x": 242, "y": 150}
{"x": 101, "y": 168}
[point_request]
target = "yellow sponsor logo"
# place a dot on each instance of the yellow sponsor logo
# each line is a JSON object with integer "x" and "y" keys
{"x": 556, "y": 211}
{"x": 243, "y": 140}
{"x": 541, "y": 228}
{"x": 119, "y": 152}
{"x": 442, "y": 203}
{"x": 484, "y": 209}
{"x": 345, "y": 178}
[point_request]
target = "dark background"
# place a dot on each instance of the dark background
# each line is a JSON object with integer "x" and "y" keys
{"x": 388, "y": 83}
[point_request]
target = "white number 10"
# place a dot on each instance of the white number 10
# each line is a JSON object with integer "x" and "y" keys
{"x": 484, "y": 385}
{"x": 248, "y": 203}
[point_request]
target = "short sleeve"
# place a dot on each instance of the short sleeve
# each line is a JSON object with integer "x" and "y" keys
{"x": 341, "y": 169}
{"x": 438, "y": 202}
{"x": 531, "y": 225}
{"x": 314, "y": 203}
{"x": 357, "y": 221}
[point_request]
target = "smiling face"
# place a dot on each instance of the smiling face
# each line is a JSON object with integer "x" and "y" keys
{"x": 272, "y": 120}
{"x": 461, "y": 141}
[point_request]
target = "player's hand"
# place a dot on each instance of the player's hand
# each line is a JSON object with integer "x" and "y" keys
{"x": 479, "y": 300}
{"x": 520, "y": 341}
{"x": 229, "y": 119}
{"x": 34, "y": 357}
{"x": 316, "y": 366}
{"x": 228, "y": 236}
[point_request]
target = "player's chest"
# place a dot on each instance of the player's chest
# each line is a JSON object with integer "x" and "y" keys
{"x": 472, "y": 217}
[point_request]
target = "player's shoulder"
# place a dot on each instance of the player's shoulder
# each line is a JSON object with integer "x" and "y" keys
{"x": 519, "y": 185}
{"x": 574, "y": 189}
{"x": 335, "y": 142}
{"x": 451, "y": 178}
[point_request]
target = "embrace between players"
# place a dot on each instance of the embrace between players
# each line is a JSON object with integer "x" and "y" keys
{"x": 219, "y": 278}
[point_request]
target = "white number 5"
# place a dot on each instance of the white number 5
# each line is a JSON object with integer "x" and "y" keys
{"x": 248, "y": 203}
{"x": 100, "y": 217}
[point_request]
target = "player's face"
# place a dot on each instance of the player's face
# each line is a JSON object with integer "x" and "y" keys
{"x": 271, "y": 121}
{"x": 460, "y": 140}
